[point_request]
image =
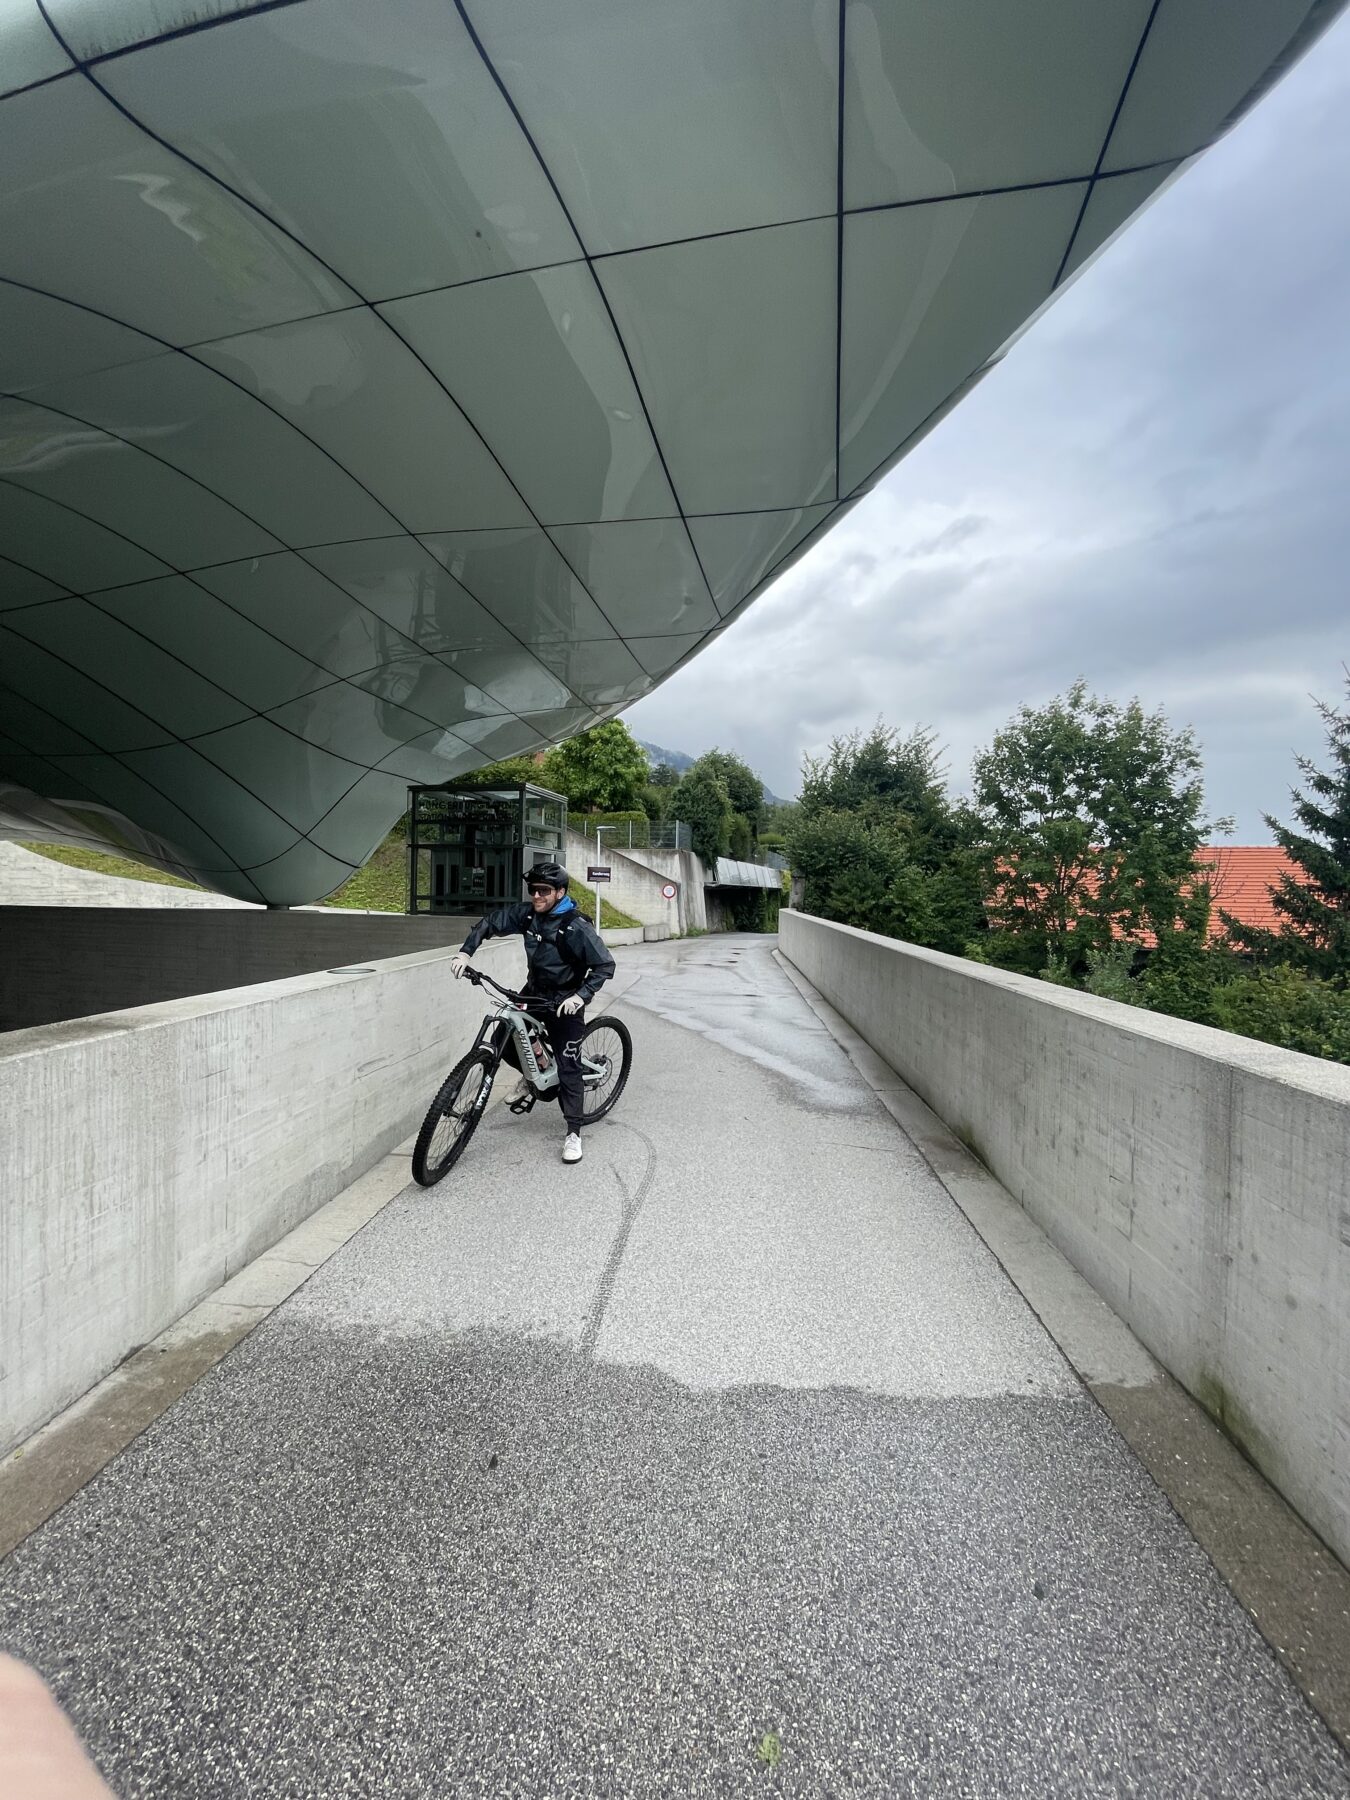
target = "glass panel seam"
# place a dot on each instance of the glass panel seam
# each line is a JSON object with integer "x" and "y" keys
{"x": 216, "y": 180}
{"x": 188, "y": 575}
{"x": 115, "y": 756}
{"x": 290, "y": 425}
{"x": 41, "y": 82}
{"x": 417, "y": 649}
{"x": 1106, "y": 145}
{"x": 839, "y": 248}
{"x": 769, "y": 574}
{"x": 539, "y": 157}
{"x": 282, "y": 546}
{"x": 177, "y": 742}
{"x": 244, "y": 11}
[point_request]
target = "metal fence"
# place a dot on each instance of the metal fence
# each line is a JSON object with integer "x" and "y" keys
{"x": 634, "y": 831}
{"x": 623, "y": 831}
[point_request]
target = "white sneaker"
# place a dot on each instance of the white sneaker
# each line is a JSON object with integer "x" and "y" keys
{"x": 572, "y": 1147}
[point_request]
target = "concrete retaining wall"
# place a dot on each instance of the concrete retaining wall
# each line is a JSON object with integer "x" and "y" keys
{"x": 1200, "y": 1181}
{"x": 150, "y": 1154}
{"x": 689, "y": 874}
{"x": 635, "y": 889}
{"x": 617, "y": 935}
{"x": 27, "y": 879}
{"x": 62, "y": 962}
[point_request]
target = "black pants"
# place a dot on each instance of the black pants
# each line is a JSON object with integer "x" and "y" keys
{"x": 564, "y": 1039}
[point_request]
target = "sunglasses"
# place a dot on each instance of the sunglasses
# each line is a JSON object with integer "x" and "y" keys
{"x": 542, "y": 890}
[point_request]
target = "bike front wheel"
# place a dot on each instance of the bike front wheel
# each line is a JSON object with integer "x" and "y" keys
{"x": 606, "y": 1058}
{"x": 452, "y": 1118}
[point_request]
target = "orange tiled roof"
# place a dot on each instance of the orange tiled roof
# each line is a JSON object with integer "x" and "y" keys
{"x": 1244, "y": 874}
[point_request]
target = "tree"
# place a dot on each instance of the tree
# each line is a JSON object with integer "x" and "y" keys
{"x": 858, "y": 871}
{"x": 601, "y": 770}
{"x": 1288, "y": 1007}
{"x": 1182, "y": 971}
{"x": 655, "y": 801}
{"x": 665, "y": 776}
{"x": 744, "y": 787}
{"x": 1314, "y": 909}
{"x": 1091, "y": 815}
{"x": 704, "y": 804}
{"x": 874, "y": 811}
{"x": 778, "y": 819}
{"x": 881, "y": 773}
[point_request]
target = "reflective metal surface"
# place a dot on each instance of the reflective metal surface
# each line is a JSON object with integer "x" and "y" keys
{"x": 389, "y": 386}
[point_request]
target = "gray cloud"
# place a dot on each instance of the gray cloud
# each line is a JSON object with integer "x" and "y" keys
{"x": 1149, "y": 492}
{"x": 952, "y": 536}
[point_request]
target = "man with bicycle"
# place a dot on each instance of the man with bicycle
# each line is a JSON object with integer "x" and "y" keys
{"x": 568, "y": 964}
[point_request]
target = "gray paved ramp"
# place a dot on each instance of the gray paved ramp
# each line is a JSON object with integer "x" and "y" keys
{"x": 727, "y": 1463}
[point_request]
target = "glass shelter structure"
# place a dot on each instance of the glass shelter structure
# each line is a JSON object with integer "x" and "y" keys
{"x": 388, "y": 387}
{"x": 469, "y": 849}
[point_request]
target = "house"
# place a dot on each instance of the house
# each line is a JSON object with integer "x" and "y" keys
{"x": 1244, "y": 875}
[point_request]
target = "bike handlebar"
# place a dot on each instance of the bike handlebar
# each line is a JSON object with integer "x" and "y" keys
{"x": 479, "y": 976}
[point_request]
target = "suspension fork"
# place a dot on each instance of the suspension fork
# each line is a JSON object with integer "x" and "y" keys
{"x": 493, "y": 1036}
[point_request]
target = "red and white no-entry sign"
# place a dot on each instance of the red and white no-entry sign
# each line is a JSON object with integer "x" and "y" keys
{"x": 670, "y": 890}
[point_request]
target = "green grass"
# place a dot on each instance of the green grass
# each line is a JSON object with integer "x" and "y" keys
{"x": 770, "y": 1749}
{"x": 100, "y": 864}
{"x": 611, "y": 918}
{"x": 381, "y": 886}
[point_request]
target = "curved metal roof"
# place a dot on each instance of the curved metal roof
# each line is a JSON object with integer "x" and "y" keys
{"x": 391, "y": 386}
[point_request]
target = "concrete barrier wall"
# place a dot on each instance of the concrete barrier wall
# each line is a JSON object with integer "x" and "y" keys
{"x": 28, "y": 879}
{"x": 63, "y": 962}
{"x": 689, "y": 874}
{"x": 150, "y": 1154}
{"x": 1200, "y": 1181}
{"x": 634, "y": 889}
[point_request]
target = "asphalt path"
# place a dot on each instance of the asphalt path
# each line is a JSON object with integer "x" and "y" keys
{"x": 727, "y": 1462}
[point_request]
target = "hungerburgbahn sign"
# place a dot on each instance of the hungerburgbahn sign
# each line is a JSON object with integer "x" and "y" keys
{"x": 391, "y": 386}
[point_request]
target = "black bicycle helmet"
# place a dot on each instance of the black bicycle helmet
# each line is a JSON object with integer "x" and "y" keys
{"x": 547, "y": 874}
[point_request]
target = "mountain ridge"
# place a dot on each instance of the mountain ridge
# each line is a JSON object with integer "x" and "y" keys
{"x": 680, "y": 762}
{"x": 675, "y": 759}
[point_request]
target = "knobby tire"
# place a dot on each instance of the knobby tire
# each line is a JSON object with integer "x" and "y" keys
{"x": 426, "y": 1171}
{"x": 607, "y": 1022}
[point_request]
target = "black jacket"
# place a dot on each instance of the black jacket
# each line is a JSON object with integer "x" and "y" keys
{"x": 564, "y": 950}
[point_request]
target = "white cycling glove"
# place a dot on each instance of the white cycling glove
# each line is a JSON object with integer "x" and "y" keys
{"x": 458, "y": 963}
{"x": 573, "y": 1003}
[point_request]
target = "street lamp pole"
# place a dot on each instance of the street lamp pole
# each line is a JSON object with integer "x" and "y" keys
{"x": 598, "y": 830}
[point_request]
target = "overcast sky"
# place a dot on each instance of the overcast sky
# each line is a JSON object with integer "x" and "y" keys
{"x": 1152, "y": 491}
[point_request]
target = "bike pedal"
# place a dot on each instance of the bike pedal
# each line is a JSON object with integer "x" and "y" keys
{"x": 522, "y": 1105}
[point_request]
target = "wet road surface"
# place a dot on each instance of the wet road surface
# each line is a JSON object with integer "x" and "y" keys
{"x": 728, "y": 1462}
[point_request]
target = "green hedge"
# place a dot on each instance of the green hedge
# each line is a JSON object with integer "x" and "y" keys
{"x": 618, "y": 839}
{"x": 1288, "y": 1008}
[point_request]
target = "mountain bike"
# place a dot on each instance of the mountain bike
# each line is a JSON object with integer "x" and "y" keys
{"x": 516, "y": 1019}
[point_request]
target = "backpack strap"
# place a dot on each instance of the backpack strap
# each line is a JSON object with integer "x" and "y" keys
{"x": 573, "y": 949}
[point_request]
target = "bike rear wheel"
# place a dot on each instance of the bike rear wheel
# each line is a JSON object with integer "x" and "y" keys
{"x": 452, "y": 1118}
{"x": 607, "y": 1044}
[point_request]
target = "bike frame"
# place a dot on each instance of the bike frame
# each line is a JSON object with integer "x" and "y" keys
{"x": 508, "y": 1021}
{"x": 511, "y": 1018}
